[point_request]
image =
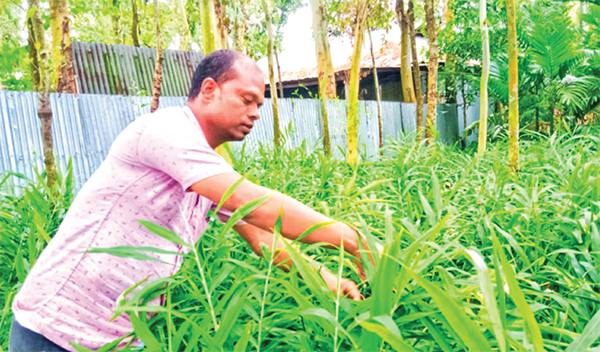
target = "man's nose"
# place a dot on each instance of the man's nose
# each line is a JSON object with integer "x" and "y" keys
{"x": 254, "y": 113}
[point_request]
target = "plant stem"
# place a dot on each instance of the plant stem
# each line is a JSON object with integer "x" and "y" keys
{"x": 208, "y": 297}
{"x": 337, "y": 298}
{"x": 262, "y": 304}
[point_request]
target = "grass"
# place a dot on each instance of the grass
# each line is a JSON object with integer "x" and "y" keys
{"x": 475, "y": 257}
{"x": 29, "y": 217}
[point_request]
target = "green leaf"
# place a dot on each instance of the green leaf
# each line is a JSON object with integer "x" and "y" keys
{"x": 320, "y": 312}
{"x": 126, "y": 252}
{"x": 384, "y": 297}
{"x": 242, "y": 211}
{"x": 590, "y": 334}
{"x": 142, "y": 330}
{"x": 193, "y": 341}
{"x": 230, "y": 191}
{"x": 387, "y": 332}
{"x": 80, "y": 348}
{"x": 436, "y": 192}
{"x": 229, "y": 318}
{"x": 489, "y": 300}
{"x": 165, "y": 233}
{"x": 313, "y": 228}
{"x": 139, "y": 249}
{"x": 310, "y": 276}
{"x": 464, "y": 327}
{"x": 30, "y": 13}
{"x": 428, "y": 210}
{"x": 242, "y": 343}
{"x": 516, "y": 294}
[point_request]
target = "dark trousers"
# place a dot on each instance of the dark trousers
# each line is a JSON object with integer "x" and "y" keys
{"x": 24, "y": 340}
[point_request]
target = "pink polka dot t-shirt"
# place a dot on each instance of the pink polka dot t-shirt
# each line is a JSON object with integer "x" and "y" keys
{"x": 69, "y": 295}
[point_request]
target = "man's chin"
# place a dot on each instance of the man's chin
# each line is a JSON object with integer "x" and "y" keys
{"x": 238, "y": 138}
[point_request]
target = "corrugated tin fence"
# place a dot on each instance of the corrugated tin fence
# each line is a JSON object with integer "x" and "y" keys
{"x": 85, "y": 126}
{"x": 129, "y": 70}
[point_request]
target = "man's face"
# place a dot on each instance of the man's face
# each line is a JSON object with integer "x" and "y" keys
{"x": 236, "y": 103}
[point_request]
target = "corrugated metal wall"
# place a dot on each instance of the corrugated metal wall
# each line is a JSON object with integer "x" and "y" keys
{"x": 85, "y": 126}
{"x": 129, "y": 70}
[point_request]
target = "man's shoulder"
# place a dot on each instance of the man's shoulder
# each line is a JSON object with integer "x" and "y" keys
{"x": 166, "y": 116}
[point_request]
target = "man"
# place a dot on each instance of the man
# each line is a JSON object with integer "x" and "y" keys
{"x": 162, "y": 168}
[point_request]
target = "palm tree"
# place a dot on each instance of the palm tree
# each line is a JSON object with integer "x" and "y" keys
{"x": 558, "y": 61}
{"x": 553, "y": 74}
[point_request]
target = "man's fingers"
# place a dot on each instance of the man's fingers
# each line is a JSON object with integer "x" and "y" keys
{"x": 350, "y": 290}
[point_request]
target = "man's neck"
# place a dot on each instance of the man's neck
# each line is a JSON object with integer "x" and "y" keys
{"x": 212, "y": 140}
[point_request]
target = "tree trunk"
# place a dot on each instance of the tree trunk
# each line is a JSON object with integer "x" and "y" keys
{"x": 464, "y": 96}
{"x": 186, "y": 35}
{"x": 116, "y": 22}
{"x": 537, "y": 119}
{"x": 432, "y": 95}
{"x": 33, "y": 28}
{"x": 241, "y": 28}
{"x": 222, "y": 25}
{"x": 485, "y": 73}
{"x": 45, "y": 115}
{"x": 552, "y": 105}
{"x": 358, "y": 33}
{"x": 58, "y": 13}
{"x": 416, "y": 71}
{"x": 66, "y": 77}
{"x": 279, "y": 75}
{"x": 134, "y": 23}
{"x": 272, "y": 81}
{"x": 207, "y": 14}
{"x": 450, "y": 66}
{"x": 377, "y": 93}
{"x": 408, "y": 90}
{"x": 513, "y": 89}
{"x": 324, "y": 66}
{"x": 39, "y": 62}
{"x": 156, "y": 85}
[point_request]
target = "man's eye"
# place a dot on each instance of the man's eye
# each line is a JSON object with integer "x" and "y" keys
{"x": 247, "y": 101}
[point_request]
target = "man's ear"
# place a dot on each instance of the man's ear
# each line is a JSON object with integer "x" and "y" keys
{"x": 208, "y": 89}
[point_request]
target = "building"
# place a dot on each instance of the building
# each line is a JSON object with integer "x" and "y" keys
{"x": 304, "y": 83}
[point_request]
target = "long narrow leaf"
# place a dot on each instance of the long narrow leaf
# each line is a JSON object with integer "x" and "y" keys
{"x": 516, "y": 294}
{"x": 164, "y": 233}
{"x": 489, "y": 300}
{"x": 590, "y": 334}
{"x": 464, "y": 327}
{"x": 388, "y": 336}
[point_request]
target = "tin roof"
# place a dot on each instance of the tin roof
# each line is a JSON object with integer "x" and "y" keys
{"x": 387, "y": 57}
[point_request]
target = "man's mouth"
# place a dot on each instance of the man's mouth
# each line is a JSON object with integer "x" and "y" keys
{"x": 248, "y": 126}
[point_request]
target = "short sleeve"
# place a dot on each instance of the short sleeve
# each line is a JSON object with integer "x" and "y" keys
{"x": 176, "y": 146}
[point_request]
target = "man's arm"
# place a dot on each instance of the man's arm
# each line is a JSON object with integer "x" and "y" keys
{"x": 255, "y": 236}
{"x": 296, "y": 217}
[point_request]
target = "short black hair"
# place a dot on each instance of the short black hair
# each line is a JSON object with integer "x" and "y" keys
{"x": 217, "y": 65}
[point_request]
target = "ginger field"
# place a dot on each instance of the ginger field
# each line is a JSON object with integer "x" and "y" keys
{"x": 475, "y": 257}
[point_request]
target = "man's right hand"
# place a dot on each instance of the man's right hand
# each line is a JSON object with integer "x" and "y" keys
{"x": 347, "y": 287}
